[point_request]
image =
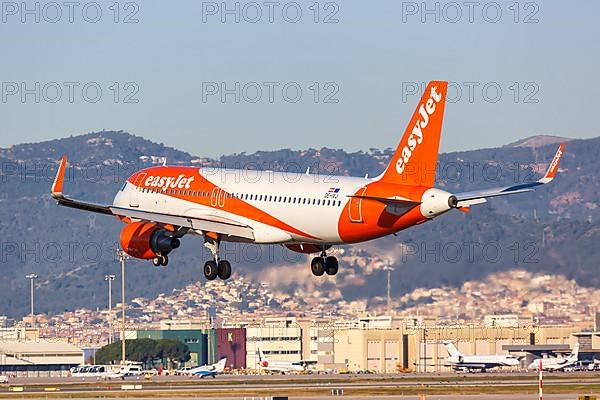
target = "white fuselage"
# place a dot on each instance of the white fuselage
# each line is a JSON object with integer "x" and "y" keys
{"x": 310, "y": 205}
{"x": 483, "y": 361}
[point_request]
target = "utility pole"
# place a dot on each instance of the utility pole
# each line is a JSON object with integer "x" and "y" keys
{"x": 109, "y": 278}
{"x": 122, "y": 258}
{"x": 32, "y": 277}
{"x": 389, "y": 269}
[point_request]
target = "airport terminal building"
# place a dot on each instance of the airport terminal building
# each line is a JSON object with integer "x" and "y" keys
{"x": 379, "y": 344}
{"x": 38, "y": 358}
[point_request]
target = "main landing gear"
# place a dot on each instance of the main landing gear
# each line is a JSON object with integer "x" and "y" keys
{"x": 217, "y": 267}
{"x": 324, "y": 265}
{"x": 160, "y": 261}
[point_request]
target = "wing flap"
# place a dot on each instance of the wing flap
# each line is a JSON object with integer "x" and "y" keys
{"x": 221, "y": 225}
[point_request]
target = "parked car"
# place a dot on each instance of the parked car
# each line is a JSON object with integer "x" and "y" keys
{"x": 3, "y": 379}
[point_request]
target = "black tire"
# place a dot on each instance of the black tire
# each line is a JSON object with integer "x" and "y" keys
{"x": 331, "y": 265}
{"x": 164, "y": 261}
{"x": 210, "y": 270}
{"x": 317, "y": 266}
{"x": 156, "y": 262}
{"x": 224, "y": 269}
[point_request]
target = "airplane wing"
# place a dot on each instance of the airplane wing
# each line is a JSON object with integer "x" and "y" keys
{"x": 467, "y": 199}
{"x": 205, "y": 223}
{"x": 222, "y": 226}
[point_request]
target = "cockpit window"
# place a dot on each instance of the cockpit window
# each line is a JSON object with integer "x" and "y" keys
{"x": 123, "y": 187}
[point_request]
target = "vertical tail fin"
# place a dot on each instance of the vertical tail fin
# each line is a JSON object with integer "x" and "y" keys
{"x": 220, "y": 366}
{"x": 415, "y": 160}
{"x": 574, "y": 356}
{"x": 452, "y": 350}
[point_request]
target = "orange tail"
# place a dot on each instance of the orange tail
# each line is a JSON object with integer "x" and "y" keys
{"x": 415, "y": 160}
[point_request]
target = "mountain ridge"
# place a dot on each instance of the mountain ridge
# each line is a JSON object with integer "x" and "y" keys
{"x": 71, "y": 250}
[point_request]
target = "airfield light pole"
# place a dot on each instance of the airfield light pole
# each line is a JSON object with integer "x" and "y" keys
{"x": 32, "y": 277}
{"x": 122, "y": 258}
{"x": 541, "y": 379}
{"x": 109, "y": 278}
{"x": 389, "y": 269}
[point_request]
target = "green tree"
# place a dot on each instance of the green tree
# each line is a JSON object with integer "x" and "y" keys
{"x": 174, "y": 351}
{"x": 146, "y": 351}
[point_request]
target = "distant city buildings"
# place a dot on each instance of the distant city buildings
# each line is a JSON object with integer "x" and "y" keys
{"x": 236, "y": 318}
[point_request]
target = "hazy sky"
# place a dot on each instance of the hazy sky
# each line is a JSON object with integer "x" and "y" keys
{"x": 223, "y": 77}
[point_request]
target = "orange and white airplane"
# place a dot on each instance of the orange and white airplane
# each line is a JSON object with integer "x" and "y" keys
{"x": 307, "y": 213}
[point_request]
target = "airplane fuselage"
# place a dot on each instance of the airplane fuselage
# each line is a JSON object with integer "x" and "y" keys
{"x": 482, "y": 362}
{"x": 282, "y": 207}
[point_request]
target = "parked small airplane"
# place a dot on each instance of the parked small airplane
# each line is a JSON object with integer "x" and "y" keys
{"x": 461, "y": 362}
{"x": 282, "y": 366}
{"x": 556, "y": 363}
{"x": 209, "y": 370}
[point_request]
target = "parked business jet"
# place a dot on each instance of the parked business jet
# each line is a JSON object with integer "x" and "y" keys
{"x": 461, "y": 362}
{"x": 209, "y": 370}
{"x": 282, "y": 366}
{"x": 307, "y": 213}
{"x": 556, "y": 363}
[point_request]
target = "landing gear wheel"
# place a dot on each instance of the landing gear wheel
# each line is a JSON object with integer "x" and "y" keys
{"x": 156, "y": 262}
{"x": 210, "y": 270}
{"x": 317, "y": 266}
{"x": 331, "y": 265}
{"x": 164, "y": 261}
{"x": 224, "y": 269}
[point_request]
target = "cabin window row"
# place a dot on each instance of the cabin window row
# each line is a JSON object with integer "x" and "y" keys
{"x": 251, "y": 197}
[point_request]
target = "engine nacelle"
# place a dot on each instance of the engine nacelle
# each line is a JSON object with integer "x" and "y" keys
{"x": 146, "y": 240}
{"x": 436, "y": 201}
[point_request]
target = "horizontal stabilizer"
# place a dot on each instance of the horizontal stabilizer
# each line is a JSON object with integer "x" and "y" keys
{"x": 467, "y": 199}
{"x": 393, "y": 205}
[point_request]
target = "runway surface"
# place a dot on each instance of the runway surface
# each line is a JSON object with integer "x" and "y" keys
{"x": 408, "y": 386}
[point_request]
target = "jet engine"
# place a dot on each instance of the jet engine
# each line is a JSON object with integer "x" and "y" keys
{"x": 435, "y": 202}
{"x": 147, "y": 240}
